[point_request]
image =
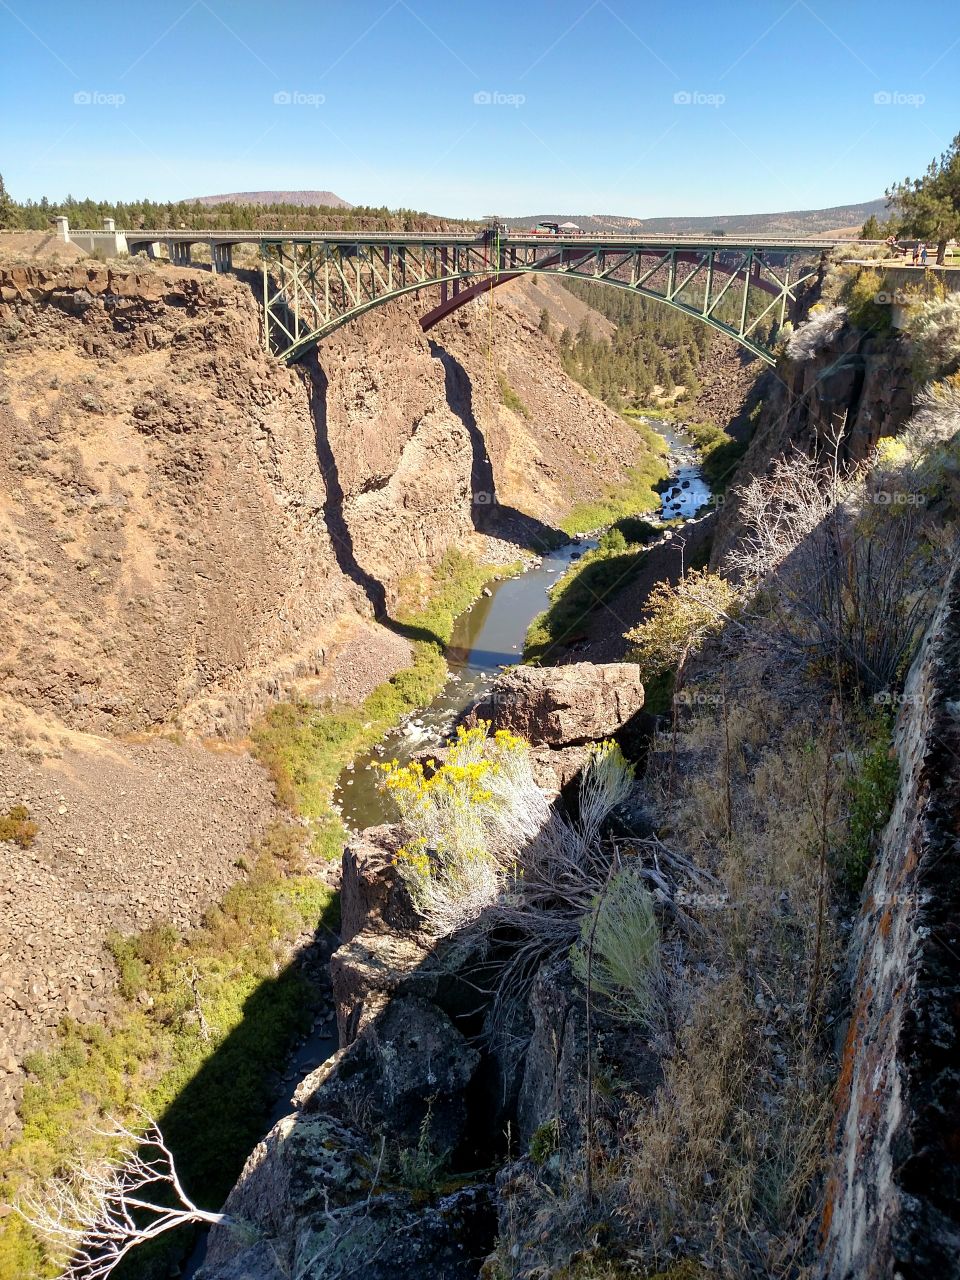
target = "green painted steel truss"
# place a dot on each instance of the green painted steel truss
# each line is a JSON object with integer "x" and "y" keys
{"x": 314, "y": 285}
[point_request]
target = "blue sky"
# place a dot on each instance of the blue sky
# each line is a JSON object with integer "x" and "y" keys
{"x": 579, "y": 106}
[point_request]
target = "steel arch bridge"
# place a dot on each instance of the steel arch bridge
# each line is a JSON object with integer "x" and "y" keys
{"x": 313, "y": 284}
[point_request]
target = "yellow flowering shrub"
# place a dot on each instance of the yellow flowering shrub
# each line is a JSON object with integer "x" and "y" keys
{"x": 464, "y": 823}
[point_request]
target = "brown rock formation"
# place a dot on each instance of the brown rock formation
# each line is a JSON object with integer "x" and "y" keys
{"x": 563, "y": 706}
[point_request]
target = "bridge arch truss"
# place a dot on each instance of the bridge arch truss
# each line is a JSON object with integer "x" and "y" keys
{"x": 746, "y": 290}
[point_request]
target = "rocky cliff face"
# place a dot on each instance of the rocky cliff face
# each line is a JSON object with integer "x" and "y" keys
{"x": 894, "y": 1187}
{"x": 855, "y": 387}
{"x": 185, "y": 520}
{"x": 374, "y": 1174}
{"x": 189, "y": 530}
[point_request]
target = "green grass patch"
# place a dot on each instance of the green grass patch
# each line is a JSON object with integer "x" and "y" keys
{"x": 719, "y": 453}
{"x": 202, "y": 1021}
{"x": 591, "y": 581}
{"x": 871, "y": 792}
{"x": 635, "y": 494}
{"x": 510, "y": 398}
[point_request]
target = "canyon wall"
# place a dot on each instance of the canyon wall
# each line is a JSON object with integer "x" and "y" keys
{"x": 189, "y": 530}
{"x": 855, "y": 386}
{"x": 189, "y": 526}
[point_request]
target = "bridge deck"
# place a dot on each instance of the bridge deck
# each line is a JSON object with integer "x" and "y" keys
{"x": 186, "y": 236}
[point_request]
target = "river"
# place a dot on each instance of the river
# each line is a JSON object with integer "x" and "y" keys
{"x": 490, "y": 635}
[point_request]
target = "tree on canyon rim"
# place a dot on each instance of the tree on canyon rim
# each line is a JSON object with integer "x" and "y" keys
{"x": 929, "y": 207}
{"x": 8, "y": 212}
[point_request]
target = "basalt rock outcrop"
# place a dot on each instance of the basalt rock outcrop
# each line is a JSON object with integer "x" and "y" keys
{"x": 856, "y": 387}
{"x": 893, "y": 1192}
{"x": 564, "y": 706}
{"x": 421, "y": 1073}
{"x": 339, "y": 1186}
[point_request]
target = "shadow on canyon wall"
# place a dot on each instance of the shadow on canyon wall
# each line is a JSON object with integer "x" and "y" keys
{"x": 488, "y": 515}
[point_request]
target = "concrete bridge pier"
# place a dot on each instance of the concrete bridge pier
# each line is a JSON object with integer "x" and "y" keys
{"x": 179, "y": 251}
{"x": 221, "y": 257}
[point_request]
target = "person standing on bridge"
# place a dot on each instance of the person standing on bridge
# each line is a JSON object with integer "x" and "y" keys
{"x": 923, "y": 254}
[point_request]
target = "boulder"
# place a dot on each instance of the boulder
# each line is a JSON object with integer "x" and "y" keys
{"x": 555, "y": 768}
{"x": 366, "y": 971}
{"x": 373, "y": 895}
{"x": 308, "y": 1205}
{"x": 563, "y": 706}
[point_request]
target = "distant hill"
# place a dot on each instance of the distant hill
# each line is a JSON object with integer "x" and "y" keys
{"x": 793, "y": 223}
{"x": 310, "y": 199}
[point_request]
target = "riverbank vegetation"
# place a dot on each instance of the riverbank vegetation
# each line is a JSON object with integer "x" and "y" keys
{"x": 305, "y": 746}
{"x": 636, "y": 494}
{"x": 586, "y": 586}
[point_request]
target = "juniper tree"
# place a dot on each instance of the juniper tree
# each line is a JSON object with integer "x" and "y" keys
{"x": 929, "y": 207}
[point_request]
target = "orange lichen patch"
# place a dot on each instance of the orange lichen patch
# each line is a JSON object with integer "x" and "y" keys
{"x": 910, "y": 858}
{"x": 849, "y": 1055}
{"x": 826, "y": 1218}
{"x": 886, "y": 920}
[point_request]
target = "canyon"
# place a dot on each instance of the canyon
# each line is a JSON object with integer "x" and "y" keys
{"x": 193, "y": 534}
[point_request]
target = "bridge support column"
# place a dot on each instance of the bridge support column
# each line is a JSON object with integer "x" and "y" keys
{"x": 179, "y": 251}
{"x": 63, "y": 228}
{"x": 221, "y": 257}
